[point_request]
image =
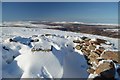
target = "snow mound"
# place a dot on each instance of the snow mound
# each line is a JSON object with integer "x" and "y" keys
{"x": 45, "y": 53}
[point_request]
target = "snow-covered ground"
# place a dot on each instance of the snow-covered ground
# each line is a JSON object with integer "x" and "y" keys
{"x": 112, "y": 30}
{"x": 53, "y": 55}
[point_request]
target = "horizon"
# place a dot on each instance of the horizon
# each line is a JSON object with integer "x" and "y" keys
{"x": 87, "y": 12}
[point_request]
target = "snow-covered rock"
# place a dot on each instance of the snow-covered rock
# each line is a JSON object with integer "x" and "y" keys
{"x": 63, "y": 61}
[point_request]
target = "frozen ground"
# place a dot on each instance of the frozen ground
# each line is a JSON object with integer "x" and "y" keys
{"x": 44, "y": 53}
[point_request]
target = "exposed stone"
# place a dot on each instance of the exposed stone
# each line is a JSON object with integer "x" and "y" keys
{"x": 102, "y": 48}
{"x": 87, "y": 39}
{"x": 47, "y": 34}
{"x": 76, "y": 41}
{"x": 84, "y": 38}
{"x": 93, "y": 57}
{"x": 91, "y": 47}
{"x": 78, "y": 47}
{"x": 84, "y": 47}
{"x": 35, "y": 40}
{"x": 118, "y": 56}
{"x": 100, "y": 40}
{"x": 94, "y": 53}
{"x": 94, "y": 43}
{"x": 5, "y": 48}
{"x": 40, "y": 49}
{"x": 90, "y": 70}
{"x": 99, "y": 51}
{"x": 104, "y": 66}
{"x": 87, "y": 43}
{"x": 11, "y": 40}
{"x": 109, "y": 55}
{"x": 108, "y": 43}
{"x": 34, "y": 35}
{"x": 86, "y": 52}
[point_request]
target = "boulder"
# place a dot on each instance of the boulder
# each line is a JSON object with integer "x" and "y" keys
{"x": 84, "y": 47}
{"x": 85, "y": 38}
{"x": 104, "y": 67}
{"x": 34, "y": 35}
{"x": 110, "y": 55}
{"x": 86, "y": 52}
{"x": 94, "y": 43}
{"x": 87, "y": 43}
{"x": 10, "y": 40}
{"x": 99, "y": 51}
{"x": 101, "y": 40}
{"x": 90, "y": 70}
{"x": 93, "y": 57}
{"x": 78, "y": 47}
{"x": 76, "y": 41}
{"x": 48, "y": 34}
{"x": 91, "y": 47}
{"x": 34, "y": 40}
{"x": 118, "y": 56}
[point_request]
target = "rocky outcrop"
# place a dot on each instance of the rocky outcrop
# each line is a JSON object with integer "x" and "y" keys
{"x": 109, "y": 55}
{"x": 100, "y": 61}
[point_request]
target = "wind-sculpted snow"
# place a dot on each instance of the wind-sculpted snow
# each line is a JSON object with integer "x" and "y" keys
{"x": 43, "y": 53}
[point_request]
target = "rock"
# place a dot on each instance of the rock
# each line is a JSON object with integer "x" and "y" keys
{"x": 93, "y": 58}
{"x": 84, "y": 38}
{"x": 93, "y": 55}
{"x": 94, "y": 43}
{"x": 10, "y": 40}
{"x": 34, "y": 35}
{"x": 87, "y": 43}
{"x": 84, "y": 47}
{"x": 48, "y": 34}
{"x": 105, "y": 66}
{"x": 108, "y": 43}
{"x": 99, "y": 51}
{"x": 86, "y": 52}
{"x": 35, "y": 40}
{"x": 78, "y": 47}
{"x": 76, "y": 41}
{"x": 101, "y": 40}
{"x": 87, "y": 39}
{"x": 5, "y": 48}
{"x": 91, "y": 47}
{"x": 102, "y": 48}
{"x": 90, "y": 70}
{"x": 118, "y": 56}
{"x": 109, "y": 55}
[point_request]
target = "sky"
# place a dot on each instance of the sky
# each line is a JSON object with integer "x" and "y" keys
{"x": 93, "y": 12}
{"x": 60, "y": 0}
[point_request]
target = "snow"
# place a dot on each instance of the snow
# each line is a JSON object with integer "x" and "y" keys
{"x": 77, "y": 22}
{"x": 62, "y": 61}
{"x": 27, "y": 24}
{"x": 112, "y": 30}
